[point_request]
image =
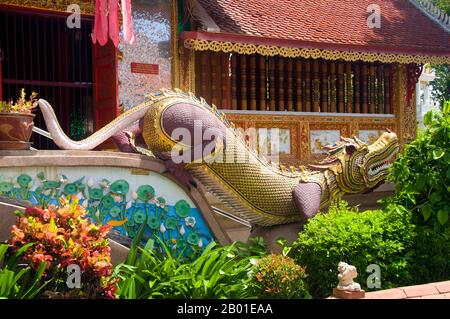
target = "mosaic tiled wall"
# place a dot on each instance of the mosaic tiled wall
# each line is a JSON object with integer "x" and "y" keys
{"x": 125, "y": 206}
{"x": 151, "y": 24}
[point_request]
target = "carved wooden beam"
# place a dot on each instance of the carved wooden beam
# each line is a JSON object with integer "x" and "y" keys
{"x": 289, "y": 74}
{"x": 349, "y": 88}
{"x": 333, "y": 86}
{"x": 324, "y": 96}
{"x": 357, "y": 87}
{"x": 308, "y": 85}
{"x": 316, "y": 86}
{"x": 234, "y": 84}
{"x": 243, "y": 73}
{"x": 262, "y": 83}
{"x": 272, "y": 70}
{"x": 341, "y": 87}
{"x": 365, "y": 74}
{"x": 252, "y": 82}
{"x": 298, "y": 85}
{"x": 281, "y": 93}
{"x": 372, "y": 80}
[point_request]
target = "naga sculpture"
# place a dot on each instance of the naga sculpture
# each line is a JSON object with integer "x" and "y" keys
{"x": 261, "y": 192}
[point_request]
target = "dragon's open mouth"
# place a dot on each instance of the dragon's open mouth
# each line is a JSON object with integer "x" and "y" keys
{"x": 381, "y": 155}
{"x": 380, "y": 166}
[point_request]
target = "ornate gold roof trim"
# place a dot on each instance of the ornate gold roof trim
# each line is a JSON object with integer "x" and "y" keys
{"x": 87, "y": 7}
{"x": 289, "y": 52}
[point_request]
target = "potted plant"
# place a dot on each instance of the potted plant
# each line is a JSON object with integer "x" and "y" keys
{"x": 16, "y": 122}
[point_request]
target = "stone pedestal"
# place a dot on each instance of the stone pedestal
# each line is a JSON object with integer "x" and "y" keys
{"x": 344, "y": 294}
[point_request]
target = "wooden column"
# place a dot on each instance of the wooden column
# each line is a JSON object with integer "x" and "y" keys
{"x": 280, "y": 81}
{"x": 380, "y": 99}
{"x": 224, "y": 57}
{"x": 205, "y": 76}
{"x": 234, "y": 82}
{"x": 308, "y": 86}
{"x": 253, "y": 103}
{"x": 365, "y": 88}
{"x": 262, "y": 85}
{"x": 356, "y": 83}
{"x": 333, "y": 87}
{"x": 341, "y": 87}
{"x": 243, "y": 72}
{"x": 324, "y": 95}
{"x": 387, "y": 88}
{"x": 216, "y": 79}
{"x": 316, "y": 86}
{"x": 272, "y": 92}
{"x": 298, "y": 85}
{"x": 290, "y": 86}
{"x": 372, "y": 89}
{"x": 349, "y": 86}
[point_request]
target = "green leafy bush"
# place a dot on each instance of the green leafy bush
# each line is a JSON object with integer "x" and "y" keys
{"x": 377, "y": 237}
{"x": 422, "y": 172}
{"x": 219, "y": 272}
{"x": 407, "y": 253}
{"x": 278, "y": 276}
{"x": 16, "y": 280}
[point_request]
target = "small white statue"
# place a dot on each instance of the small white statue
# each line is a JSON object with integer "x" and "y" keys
{"x": 346, "y": 275}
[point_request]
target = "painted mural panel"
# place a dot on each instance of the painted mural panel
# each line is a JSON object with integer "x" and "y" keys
{"x": 274, "y": 140}
{"x": 369, "y": 136}
{"x": 145, "y": 66}
{"x": 321, "y": 138}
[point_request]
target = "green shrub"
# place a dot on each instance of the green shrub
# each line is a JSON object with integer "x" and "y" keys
{"x": 278, "y": 276}
{"x": 19, "y": 281}
{"x": 377, "y": 237}
{"x": 422, "y": 172}
{"x": 219, "y": 272}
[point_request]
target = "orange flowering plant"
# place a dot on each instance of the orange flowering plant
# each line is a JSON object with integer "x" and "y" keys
{"x": 63, "y": 236}
{"x": 278, "y": 276}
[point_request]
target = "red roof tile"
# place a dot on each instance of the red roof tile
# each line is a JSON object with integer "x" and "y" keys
{"x": 334, "y": 22}
{"x": 437, "y": 290}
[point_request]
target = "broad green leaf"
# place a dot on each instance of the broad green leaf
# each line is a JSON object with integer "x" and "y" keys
{"x": 435, "y": 197}
{"x": 438, "y": 153}
{"x": 427, "y": 118}
{"x": 442, "y": 217}
{"x": 426, "y": 211}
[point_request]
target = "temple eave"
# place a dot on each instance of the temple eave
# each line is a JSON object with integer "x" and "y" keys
{"x": 245, "y": 44}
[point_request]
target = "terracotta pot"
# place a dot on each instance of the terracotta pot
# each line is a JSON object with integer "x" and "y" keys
{"x": 15, "y": 130}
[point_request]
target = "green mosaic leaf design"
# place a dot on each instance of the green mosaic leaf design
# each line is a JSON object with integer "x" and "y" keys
{"x": 95, "y": 193}
{"x": 171, "y": 223}
{"x": 6, "y": 187}
{"x": 114, "y": 211}
{"x": 182, "y": 208}
{"x": 153, "y": 222}
{"x": 139, "y": 216}
{"x": 24, "y": 180}
{"x": 71, "y": 189}
{"x": 51, "y": 184}
{"x": 120, "y": 187}
{"x": 107, "y": 201}
{"x": 193, "y": 238}
{"x": 145, "y": 193}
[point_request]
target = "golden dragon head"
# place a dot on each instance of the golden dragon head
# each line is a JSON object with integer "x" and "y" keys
{"x": 359, "y": 167}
